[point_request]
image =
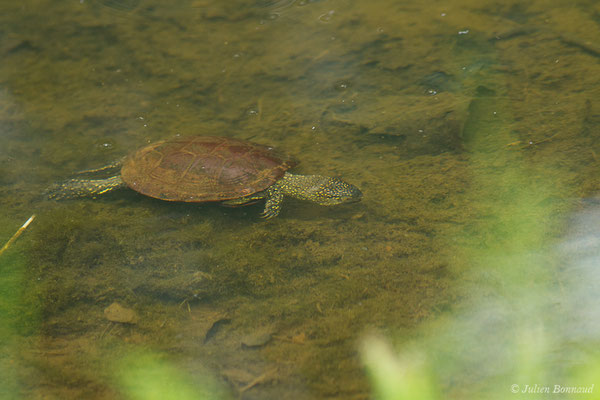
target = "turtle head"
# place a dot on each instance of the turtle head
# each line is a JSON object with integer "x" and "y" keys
{"x": 333, "y": 191}
{"x": 322, "y": 190}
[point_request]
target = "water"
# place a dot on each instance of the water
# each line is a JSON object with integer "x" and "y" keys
{"x": 470, "y": 127}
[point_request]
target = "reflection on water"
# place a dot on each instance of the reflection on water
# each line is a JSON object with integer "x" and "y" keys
{"x": 470, "y": 128}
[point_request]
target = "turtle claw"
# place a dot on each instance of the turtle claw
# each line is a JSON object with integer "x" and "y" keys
{"x": 267, "y": 214}
{"x": 273, "y": 203}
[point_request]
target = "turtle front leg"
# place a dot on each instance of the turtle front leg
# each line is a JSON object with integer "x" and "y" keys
{"x": 274, "y": 201}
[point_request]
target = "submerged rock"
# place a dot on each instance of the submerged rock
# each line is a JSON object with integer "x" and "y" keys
{"x": 256, "y": 340}
{"x": 117, "y": 313}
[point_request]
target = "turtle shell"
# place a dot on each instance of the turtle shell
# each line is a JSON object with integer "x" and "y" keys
{"x": 203, "y": 168}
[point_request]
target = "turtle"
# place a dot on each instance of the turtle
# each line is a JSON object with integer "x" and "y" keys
{"x": 198, "y": 169}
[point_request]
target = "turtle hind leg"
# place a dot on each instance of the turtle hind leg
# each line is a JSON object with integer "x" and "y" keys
{"x": 75, "y": 188}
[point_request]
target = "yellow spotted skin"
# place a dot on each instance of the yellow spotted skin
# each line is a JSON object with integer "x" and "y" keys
{"x": 322, "y": 190}
{"x": 74, "y": 188}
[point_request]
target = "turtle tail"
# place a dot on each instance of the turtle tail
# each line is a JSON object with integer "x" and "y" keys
{"x": 75, "y": 188}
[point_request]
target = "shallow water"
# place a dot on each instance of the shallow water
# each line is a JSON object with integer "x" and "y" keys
{"x": 471, "y": 129}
